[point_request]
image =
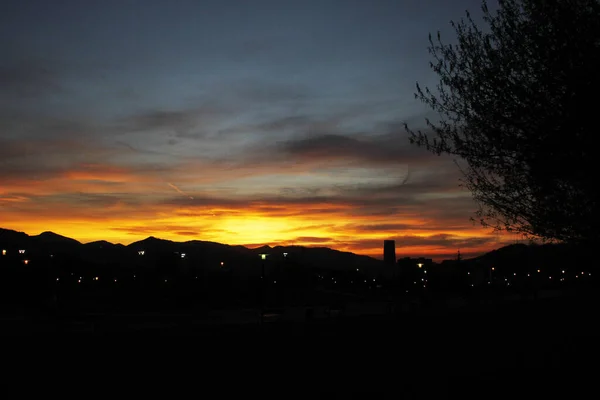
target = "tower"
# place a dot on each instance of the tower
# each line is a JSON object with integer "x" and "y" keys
{"x": 389, "y": 252}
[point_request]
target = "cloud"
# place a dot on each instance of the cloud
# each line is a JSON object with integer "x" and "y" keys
{"x": 373, "y": 150}
{"x": 311, "y": 239}
{"x": 28, "y": 79}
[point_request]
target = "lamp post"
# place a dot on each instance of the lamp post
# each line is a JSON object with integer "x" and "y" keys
{"x": 263, "y": 257}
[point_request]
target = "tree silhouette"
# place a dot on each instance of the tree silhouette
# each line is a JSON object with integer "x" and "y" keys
{"x": 517, "y": 102}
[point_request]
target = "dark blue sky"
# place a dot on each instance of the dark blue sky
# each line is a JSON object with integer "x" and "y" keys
{"x": 236, "y": 101}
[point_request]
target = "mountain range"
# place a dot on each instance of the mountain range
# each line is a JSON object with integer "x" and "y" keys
{"x": 213, "y": 254}
{"x": 207, "y": 252}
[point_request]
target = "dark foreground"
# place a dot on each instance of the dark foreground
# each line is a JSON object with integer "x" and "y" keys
{"x": 540, "y": 325}
{"x": 541, "y": 345}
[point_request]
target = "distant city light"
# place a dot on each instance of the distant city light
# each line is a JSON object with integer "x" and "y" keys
{"x": 263, "y": 256}
{"x": 25, "y": 262}
{"x": 563, "y": 271}
{"x": 222, "y": 263}
{"x": 468, "y": 273}
{"x": 182, "y": 255}
{"x": 3, "y": 252}
{"x": 515, "y": 274}
{"x": 115, "y": 280}
{"x": 357, "y": 269}
{"x": 539, "y": 270}
{"x": 78, "y": 280}
{"x": 285, "y": 254}
{"x": 493, "y": 269}
{"x": 425, "y": 271}
{"x": 420, "y": 265}
{"x": 21, "y": 251}
{"x": 141, "y": 252}
{"x": 165, "y": 280}
{"x": 57, "y": 279}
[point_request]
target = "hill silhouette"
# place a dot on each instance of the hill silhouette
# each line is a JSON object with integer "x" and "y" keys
{"x": 213, "y": 254}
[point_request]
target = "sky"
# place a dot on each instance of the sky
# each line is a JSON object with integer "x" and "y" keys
{"x": 241, "y": 122}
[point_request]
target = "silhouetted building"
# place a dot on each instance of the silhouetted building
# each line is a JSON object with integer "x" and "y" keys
{"x": 389, "y": 252}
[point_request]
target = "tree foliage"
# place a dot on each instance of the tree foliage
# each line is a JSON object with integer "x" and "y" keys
{"x": 517, "y": 102}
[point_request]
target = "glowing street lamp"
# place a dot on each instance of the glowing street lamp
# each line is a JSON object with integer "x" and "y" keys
{"x": 263, "y": 257}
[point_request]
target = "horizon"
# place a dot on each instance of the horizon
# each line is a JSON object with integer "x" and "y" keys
{"x": 437, "y": 258}
{"x": 257, "y": 124}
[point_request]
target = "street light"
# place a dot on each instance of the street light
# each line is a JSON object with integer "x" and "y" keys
{"x": 263, "y": 257}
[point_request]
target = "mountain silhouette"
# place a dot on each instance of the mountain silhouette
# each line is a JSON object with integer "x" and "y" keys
{"x": 212, "y": 254}
{"x": 11, "y": 238}
{"x": 51, "y": 238}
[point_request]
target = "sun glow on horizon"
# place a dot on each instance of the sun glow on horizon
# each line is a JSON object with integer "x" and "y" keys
{"x": 255, "y": 231}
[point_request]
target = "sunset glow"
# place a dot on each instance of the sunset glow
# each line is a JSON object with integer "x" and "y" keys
{"x": 268, "y": 133}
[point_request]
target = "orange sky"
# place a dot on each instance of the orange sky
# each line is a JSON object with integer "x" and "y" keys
{"x": 262, "y": 123}
{"x": 119, "y": 204}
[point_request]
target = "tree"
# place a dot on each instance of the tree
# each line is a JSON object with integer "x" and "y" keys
{"x": 517, "y": 103}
